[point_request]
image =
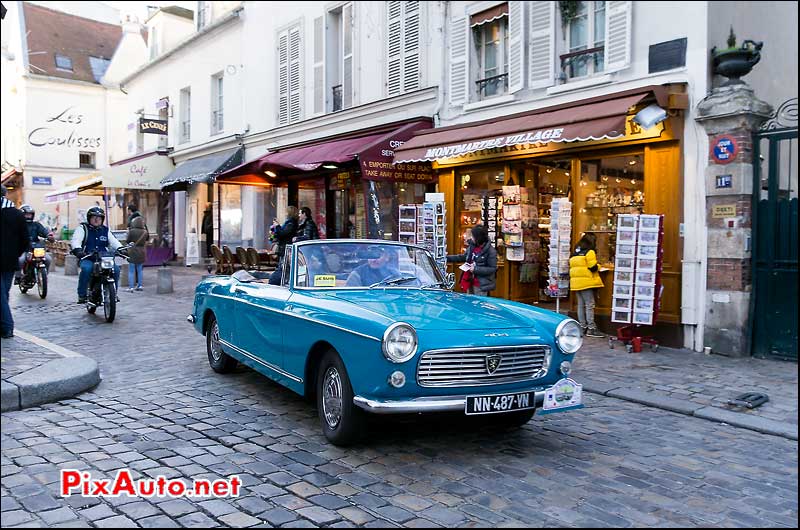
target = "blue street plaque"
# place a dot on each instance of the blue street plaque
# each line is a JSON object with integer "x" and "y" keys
{"x": 724, "y": 181}
{"x": 42, "y": 181}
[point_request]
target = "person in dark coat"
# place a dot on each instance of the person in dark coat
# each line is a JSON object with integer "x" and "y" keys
{"x": 207, "y": 228}
{"x": 285, "y": 233}
{"x": 14, "y": 241}
{"x": 138, "y": 235}
{"x": 480, "y": 275}
{"x": 306, "y": 228}
{"x": 133, "y": 213}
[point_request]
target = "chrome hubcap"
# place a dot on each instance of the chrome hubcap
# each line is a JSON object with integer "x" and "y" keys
{"x": 332, "y": 397}
{"x": 216, "y": 350}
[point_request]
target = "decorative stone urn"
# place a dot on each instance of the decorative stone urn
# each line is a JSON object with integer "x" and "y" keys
{"x": 734, "y": 62}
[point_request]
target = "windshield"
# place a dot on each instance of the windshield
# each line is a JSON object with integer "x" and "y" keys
{"x": 365, "y": 265}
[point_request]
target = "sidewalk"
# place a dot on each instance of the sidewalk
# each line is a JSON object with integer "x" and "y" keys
{"x": 35, "y": 372}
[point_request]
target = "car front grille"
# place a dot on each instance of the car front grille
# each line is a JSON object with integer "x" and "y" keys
{"x": 468, "y": 366}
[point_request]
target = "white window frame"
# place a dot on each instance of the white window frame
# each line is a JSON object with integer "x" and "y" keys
{"x": 217, "y": 103}
{"x": 139, "y": 133}
{"x": 403, "y": 56}
{"x": 293, "y": 90}
{"x": 92, "y": 157}
{"x": 186, "y": 116}
{"x": 203, "y": 14}
{"x": 591, "y": 40}
{"x": 502, "y": 62}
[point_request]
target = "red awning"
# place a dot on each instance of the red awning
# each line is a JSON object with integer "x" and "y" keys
{"x": 593, "y": 119}
{"x": 373, "y": 152}
{"x": 489, "y": 15}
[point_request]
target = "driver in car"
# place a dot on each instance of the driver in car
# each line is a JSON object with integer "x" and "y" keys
{"x": 376, "y": 269}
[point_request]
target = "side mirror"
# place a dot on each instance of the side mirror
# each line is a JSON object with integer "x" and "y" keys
{"x": 450, "y": 280}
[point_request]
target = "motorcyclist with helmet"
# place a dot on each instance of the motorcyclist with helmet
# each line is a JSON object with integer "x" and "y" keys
{"x": 88, "y": 237}
{"x": 35, "y": 230}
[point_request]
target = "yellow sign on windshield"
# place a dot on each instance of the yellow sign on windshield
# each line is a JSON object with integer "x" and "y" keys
{"x": 324, "y": 280}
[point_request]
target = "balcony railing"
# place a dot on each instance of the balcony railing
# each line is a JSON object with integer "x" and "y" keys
{"x": 576, "y": 64}
{"x": 492, "y": 86}
{"x": 337, "y": 98}
{"x": 216, "y": 121}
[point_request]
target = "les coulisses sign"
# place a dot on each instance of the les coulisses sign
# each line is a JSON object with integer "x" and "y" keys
{"x": 147, "y": 126}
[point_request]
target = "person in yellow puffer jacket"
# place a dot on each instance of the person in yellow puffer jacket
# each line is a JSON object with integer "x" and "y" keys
{"x": 584, "y": 279}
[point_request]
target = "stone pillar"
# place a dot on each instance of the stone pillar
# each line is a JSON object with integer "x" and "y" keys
{"x": 70, "y": 265}
{"x": 730, "y": 114}
{"x": 164, "y": 281}
{"x": 123, "y": 274}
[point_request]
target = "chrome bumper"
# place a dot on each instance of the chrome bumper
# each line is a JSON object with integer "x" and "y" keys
{"x": 191, "y": 319}
{"x": 424, "y": 404}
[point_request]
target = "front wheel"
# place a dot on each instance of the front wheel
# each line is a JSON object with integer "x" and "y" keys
{"x": 342, "y": 422}
{"x": 109, "y": 301}
{"x": 220, "y": 361}
{"x": 41, "y": 281}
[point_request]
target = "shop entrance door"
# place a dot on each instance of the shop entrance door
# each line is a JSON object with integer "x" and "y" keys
{"x": 343, "y": 225}
{"x": 773, "y": 315}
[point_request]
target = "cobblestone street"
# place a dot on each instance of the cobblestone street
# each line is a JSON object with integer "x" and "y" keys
{"x": 160, "y": 410}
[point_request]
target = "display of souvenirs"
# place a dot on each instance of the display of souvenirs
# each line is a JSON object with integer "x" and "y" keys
{"x": 434, "y": 228}
{"x": 490, "y": 215}
{"x": 637, "y": 274}
{"x": 512, "y": 223}
{"x": 560, "y": 247}
{"x": 407, "y": 220}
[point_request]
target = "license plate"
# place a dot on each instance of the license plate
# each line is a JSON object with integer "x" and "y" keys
{"x": 564, "y": 395}
{"x": 500, "y": 403}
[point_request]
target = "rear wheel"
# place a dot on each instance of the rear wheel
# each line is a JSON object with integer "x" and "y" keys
{"x": 41, "y": 281}
{"x": 109, "y": 301}
{"x": 220, "y": 361}
{"x": 342, "y": 422}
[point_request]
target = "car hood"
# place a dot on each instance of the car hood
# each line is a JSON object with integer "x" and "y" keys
{"x": 443, "y": 310}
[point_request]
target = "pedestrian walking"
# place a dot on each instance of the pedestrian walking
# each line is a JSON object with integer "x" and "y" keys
{"x": 584, "y": 279}
{"x": 14, "y": 241}
{"x": 306, "y": 227}
{"x": 207, "y": 228}
{"x": 138, "y": 235}
{"x": 133, "y": 213}
{"x": 480, "y": 263}
{"x": 286, "y": 232}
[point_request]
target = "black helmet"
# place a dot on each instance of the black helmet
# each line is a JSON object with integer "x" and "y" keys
{"x": 95, "y": 211}
{"x": 29, "y": 212}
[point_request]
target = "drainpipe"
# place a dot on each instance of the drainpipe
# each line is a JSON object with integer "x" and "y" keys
{"x": 443, "y": 78}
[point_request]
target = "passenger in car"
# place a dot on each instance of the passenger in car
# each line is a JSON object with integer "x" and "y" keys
{"x": 374, "y": 270}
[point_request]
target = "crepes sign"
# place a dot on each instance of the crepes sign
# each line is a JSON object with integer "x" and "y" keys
{"x": 147, "y": 126}
{"x": 449, "y": 151}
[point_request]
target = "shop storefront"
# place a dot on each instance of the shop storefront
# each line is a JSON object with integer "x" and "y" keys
{"x": 70, "y": 211}
{"x": 137, "y": 181}
{"x": 192, "y": 186}
{"x": 348, "y": 182}
{"x": 591, "y": 152}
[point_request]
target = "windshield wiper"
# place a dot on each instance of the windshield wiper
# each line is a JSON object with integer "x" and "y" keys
{"x": 435, "y": 284}
{"x": 393, "y": 281}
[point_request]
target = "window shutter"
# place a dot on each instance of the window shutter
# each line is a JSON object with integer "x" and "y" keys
{"x": 394, "y": 48}
{"x": 283, "y": 78}
{"x": 411, "y": 46}
{"x": 319, "y": 65}
{"x": 347, "y": 81}
{"x": 542, "y": 44}
{"x": 618, "y": 35}
{"x": 459, "y": 60}
{"x": 295, "y": 77}
{"x": 516, "y": 68}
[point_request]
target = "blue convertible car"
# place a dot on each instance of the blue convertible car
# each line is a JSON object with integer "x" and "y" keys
{"x": 372, "y": 327}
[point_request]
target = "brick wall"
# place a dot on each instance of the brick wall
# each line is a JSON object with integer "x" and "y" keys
{"x": 729, "y": 274}
{"x": 744, "y": 209}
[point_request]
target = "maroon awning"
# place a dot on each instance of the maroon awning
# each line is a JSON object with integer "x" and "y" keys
{"x": 489, "y": 15}
{"x": 593, "y": 119}
{"x": 373, "y": 152}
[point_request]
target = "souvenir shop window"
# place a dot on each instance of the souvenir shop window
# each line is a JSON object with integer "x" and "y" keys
{"x": 607, "y": 187}
{"x": 383, "y": 201}
{"x": 266, "y": 210}
{"x": 475, "y": 185}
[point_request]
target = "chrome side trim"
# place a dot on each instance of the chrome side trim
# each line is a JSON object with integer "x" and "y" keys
{"x": 262, "y": 362}
{"x": 426, "y": 404}
{"x": 334, "y": 326}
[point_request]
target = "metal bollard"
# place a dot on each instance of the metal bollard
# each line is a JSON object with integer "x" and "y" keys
{"x": 70, "y": 265}
{"x": 164, "y": 281}
{"x": 123, "y": 275}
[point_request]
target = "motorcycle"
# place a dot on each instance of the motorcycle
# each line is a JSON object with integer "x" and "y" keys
{"x": 102, "y": 288}
{"x": 34, "y": 272}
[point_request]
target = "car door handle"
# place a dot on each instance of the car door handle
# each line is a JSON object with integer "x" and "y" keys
{"x": 289, "y": 307}
{"x": 239, "y": 290}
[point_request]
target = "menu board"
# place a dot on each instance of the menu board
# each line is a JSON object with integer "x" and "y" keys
{"x": 637, "y": 269}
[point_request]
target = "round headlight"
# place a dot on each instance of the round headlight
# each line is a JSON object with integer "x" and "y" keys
{"x": 399, "y": 342}
{"x": 568, "y": 336}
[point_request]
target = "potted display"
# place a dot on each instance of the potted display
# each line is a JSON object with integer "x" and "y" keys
{"x": 734, "y": 62}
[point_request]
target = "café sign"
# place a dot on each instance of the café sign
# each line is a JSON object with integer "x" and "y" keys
{"x": 147, "y": 126}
